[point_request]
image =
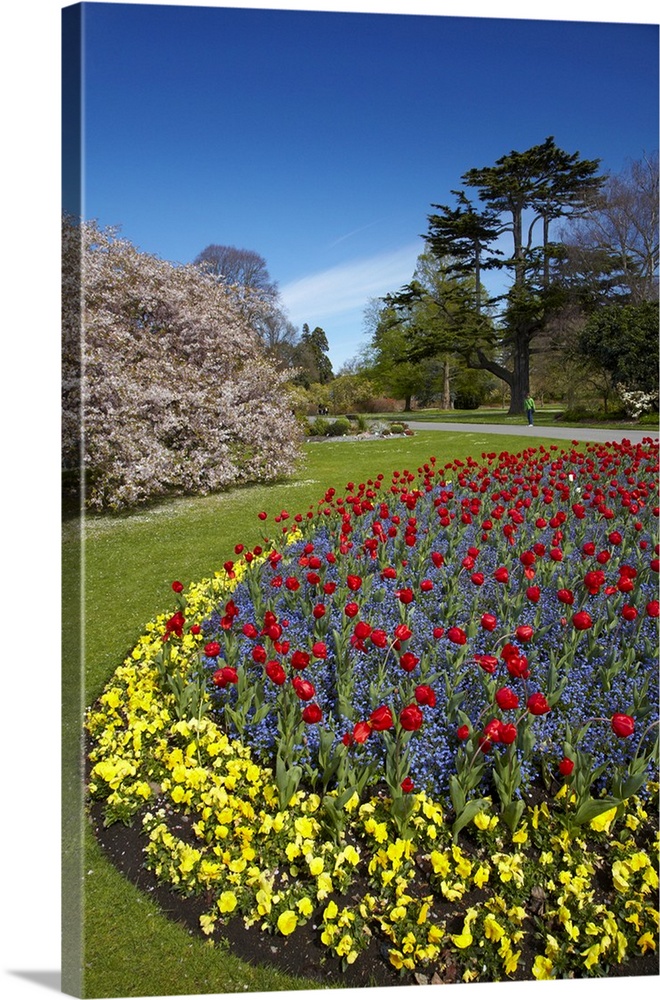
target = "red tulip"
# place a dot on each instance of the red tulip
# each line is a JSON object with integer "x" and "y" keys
{"x": 489, "y": 622}
{"x": 408, "y": 662}
{"x": 566, "y": 766}
{"x": 381, "y": 718}
{"x": 304, "y": 689}
{"x": 457, "y": 635}
{"x": 508, "y": 733}
{"x": 425, "y": 695}
{"x": 582, "y": 620}
{"x": 225, "y": 676}
{"x": 487, "y": 663}
{"x": 276, "y": 672}
{"x": 506, "y": 698}
{"x": 212, "y": 649}
{"x": 312, "y": 713}
{"x": 300, "y": 660}
{"x": 411, "y": 717}
{"x": 379, "y": 638}
{"x": 537, "y": 704}
{"x": 622, "y": 725}
{"x": 405, "y": 595}
{"x": 361, "y": 731}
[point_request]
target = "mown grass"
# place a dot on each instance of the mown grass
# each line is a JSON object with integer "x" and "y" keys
{"x": 543, "y": 417}
{"x": 128, "y": 563}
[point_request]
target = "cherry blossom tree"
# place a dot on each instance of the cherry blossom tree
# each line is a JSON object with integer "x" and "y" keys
{"x": 166, "y": 385}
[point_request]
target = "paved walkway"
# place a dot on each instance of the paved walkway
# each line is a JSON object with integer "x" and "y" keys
{"x": 561, "y": 432}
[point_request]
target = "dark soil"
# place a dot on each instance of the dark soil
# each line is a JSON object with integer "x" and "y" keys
{"x": 301, "y": 954}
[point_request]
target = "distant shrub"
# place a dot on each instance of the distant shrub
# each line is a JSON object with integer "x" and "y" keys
{"x": 382, "y": 404}
{"x": 467, "y": 401}
{"x": 582, "y": 414}
{"x": 339, "y": 427}
{"x": 319, "y": 427}
{"x": 397, "y": 428}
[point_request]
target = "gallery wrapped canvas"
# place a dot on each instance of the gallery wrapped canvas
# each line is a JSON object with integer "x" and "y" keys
{"x": 360, "y": 689}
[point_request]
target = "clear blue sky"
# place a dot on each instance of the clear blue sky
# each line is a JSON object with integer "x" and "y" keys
{"x": 321, "y": 139}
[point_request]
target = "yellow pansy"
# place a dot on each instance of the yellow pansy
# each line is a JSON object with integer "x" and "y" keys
{"x": 511, "y": 960}
{"x": 304, "y": 826}
{"x": 620, "y": 875}
{"x": 440, "y": 863}
{"x": 316, "y": 865}
{"x": 604, "y": 821}
{"x": 481, "y": 876}
{"x": 453, "y": 891}
{"x": 323, "y": 885}
{"x": 481, "y": 820}
{"x": 263, "y": 899}
{"x": 646, "y": 941}
{"x": 521, "y": 836}
{"x": 227, "y": 902}
{"x": 650, "y": 876}
{"x": 463, "y": 940}
{"x": 207, "y": 923}
{"x": 305, "y": 906}
{"x": 292, "y": 851}
{"x": 492, "y": 930}
{"x": 352, "y": 803}
{"x": 542, "y": 968}
{"x": 287, "y": 922}
{"x": 330, "y": 911}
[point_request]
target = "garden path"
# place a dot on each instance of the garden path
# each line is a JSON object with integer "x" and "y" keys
{"x": 524, "y": 430}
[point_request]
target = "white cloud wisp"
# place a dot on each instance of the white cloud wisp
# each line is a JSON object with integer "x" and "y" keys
{"x": 349, "y": 286}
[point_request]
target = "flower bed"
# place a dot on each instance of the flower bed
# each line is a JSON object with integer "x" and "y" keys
{"x": 424, "y": 712}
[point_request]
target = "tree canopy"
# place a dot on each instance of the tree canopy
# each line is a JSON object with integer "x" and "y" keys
{"x": 175, "y": 393}
{"x": 520, "y": 196}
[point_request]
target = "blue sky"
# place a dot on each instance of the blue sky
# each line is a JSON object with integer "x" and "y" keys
{"x": 321, "y": 139}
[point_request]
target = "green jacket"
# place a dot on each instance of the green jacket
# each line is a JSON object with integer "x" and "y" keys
{"x": 529, "y": 403}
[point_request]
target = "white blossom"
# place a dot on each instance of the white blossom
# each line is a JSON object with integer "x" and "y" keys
{"x": 166, "y": 385}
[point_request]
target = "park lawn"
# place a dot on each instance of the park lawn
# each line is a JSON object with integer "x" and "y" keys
{"x": 543, "y": 417}
{"x": 128, "y": 947}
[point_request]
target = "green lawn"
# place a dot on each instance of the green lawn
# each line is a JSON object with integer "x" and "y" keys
{"x": 545, "y": 416}
{"x": 128, "y": 563}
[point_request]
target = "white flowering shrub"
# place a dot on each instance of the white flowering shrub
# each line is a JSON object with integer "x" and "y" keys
{"x": 166, "y": 387}
{"x": 635, "y": 402}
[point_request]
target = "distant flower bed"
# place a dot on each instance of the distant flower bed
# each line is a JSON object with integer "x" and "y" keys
{"x": 426, "y": 710}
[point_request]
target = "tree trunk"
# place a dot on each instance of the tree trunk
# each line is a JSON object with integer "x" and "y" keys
{"x": 520, "y": 382}
{"x": 407, "y": 405}
{"x": 446, "y": 388}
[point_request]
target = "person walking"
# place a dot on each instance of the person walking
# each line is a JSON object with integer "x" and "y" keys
{"x": 530, "y": 407}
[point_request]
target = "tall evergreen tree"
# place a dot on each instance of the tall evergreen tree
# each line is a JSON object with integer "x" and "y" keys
{"x": 521, "y": 195}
